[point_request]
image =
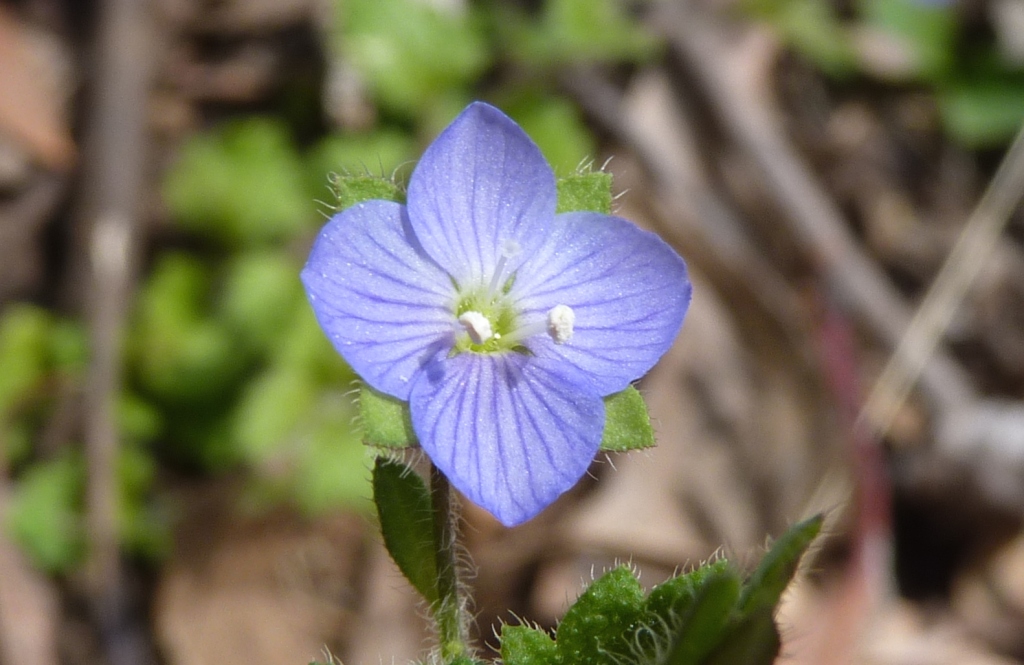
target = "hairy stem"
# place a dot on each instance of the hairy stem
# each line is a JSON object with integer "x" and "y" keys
{"x": 448, "y": 612}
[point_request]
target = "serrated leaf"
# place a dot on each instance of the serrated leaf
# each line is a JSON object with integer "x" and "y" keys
{"x": 386, "y": 421}
{"x": 672, "y": 599}
{"x": 406, "y": 522}
{"x": 627, "y": 424}
{"x": 705, "y": 624}
{"x": 773, "y": 574}
{"x": 754, "y": 640}
{"x": 600, "y": 625}
{"x": 523, "y": 645}
{"x": 585, "y": 191}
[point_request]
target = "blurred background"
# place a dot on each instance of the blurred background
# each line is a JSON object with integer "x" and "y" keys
{"x": 181, "y": 474}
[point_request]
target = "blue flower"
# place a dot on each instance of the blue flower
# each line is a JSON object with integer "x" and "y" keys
{"x": 501, "y": 323}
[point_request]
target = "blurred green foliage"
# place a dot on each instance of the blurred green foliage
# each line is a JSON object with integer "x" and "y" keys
{"x": 572, "y": 32}
{"x": 979, "y": 93}
{"x": 411, "y": 54}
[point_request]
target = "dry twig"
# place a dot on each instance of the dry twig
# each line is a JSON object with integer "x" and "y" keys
{"x": 113, "y": 186}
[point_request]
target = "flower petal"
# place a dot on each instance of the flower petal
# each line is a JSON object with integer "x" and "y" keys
{"x": 479, "y": 186}
{"x": 512, "y": 432}
{"x": 628, "y": 290}
{"x": 383, "y": 303}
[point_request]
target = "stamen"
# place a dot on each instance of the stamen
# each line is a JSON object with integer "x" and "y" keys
{"x": 477, "y": 325}
{"x": 561, "y": 319}
{"x": 509, "y": 249}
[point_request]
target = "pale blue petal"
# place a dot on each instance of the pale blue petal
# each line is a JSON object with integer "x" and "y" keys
{"x": 482, "y": 185}
{"x": 384, "y": 304}
{"x": 628, "y": 289}
{"x": 510, "y": 431}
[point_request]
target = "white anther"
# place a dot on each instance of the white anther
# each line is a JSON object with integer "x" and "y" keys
{"x": 560, "y": 322}
{"x": 477, "y": 325}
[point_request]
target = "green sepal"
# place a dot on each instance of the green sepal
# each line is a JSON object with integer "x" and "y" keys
{"x": 776, "y": 570}
{"x": 591, "y": 191}
{"x": 523, "y": 645}
{"x": 406, "y": 522}
{"x": 386, "y": 421}
{"x": 388, "y": 424}
{"x": 600, "y": 624}
{"x": 627, "y": 425}
{"x": 350, "y": 190}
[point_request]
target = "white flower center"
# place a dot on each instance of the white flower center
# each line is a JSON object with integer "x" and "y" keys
{"x": 560, "y": 322}
{"x": 477, "y": 325}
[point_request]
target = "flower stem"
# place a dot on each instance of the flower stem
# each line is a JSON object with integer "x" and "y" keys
{"x": 451, "y": 625}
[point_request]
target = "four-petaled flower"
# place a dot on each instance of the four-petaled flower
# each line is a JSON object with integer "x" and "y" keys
{"x": 501, "y": 323}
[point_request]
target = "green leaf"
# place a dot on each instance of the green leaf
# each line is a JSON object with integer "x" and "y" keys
{"x": 43, "y": 516}
{"x": 627, "y": 425}
{"x": 523, "y": 645}
{"x": 410, "y": 53}
{"x": 600, "y": 625}
{"x": 350, "y": 190}
{"x": 241, "y": 184}
{"x": 138, "y": 420}
{"x": 305, "y": 347}
{"x": 813, "y": 28}
{"x": 776, "y": 570}
{"x": 585, "y": 191}
{"x": 69, "y": 347}
{"x": 406, "y": 521}
{"x": 672, "y": 600}
{"x": 983, "y": 112}
{"x": 754, "y": 640}
{"x": 386, "y": 420}
{"x": 926, "y": 30}
{"x": 24, "y": 335}
{"x": 555, "y": 125}
{"x": 181, "y": 354}
{"x": 703, "y": 627}
{"x": 270, "y": 409}
{"x": 332, "y": 469}
{"x": 577, "y": 30}
{"x": 144, "y": 529}
{"x": 261, "y": 295}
